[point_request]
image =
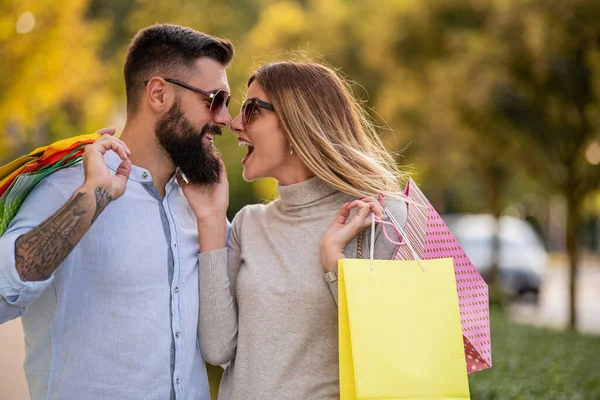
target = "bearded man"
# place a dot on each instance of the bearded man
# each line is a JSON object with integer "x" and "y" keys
{"x": 101, "y": 262}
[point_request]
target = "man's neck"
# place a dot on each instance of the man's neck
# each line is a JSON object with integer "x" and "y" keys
{"x": 147, "y": 153}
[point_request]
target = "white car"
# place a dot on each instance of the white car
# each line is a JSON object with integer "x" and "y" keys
{"x": 523, "y": 256}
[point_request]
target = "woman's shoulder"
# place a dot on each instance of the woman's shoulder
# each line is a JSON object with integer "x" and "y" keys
{"x": 249, "y": 212}
{"x": 398, "y": 208}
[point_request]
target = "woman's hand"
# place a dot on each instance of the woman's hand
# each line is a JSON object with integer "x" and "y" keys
{"x": 341, "y": 233}
{"x": 209, "y": 203}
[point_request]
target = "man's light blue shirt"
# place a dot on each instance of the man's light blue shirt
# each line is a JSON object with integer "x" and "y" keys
{"x": 118, "y": 318}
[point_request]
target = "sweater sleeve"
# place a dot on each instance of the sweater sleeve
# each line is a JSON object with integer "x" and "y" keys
{"x": 333, "y": 287}
{"x": 217, "y": 318}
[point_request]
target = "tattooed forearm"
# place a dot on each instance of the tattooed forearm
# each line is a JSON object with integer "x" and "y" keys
{"x": 39, "y": 252}
{"x": 102, "y": 200}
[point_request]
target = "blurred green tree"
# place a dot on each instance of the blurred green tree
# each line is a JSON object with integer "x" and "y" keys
{"x": 52, "y": 84}
{"x": 549, "y": 93}
{"x": 494, "y": 99}
{"x": 516, "y": 84}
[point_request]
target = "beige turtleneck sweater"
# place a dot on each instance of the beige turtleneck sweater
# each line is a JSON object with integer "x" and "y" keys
{"x": 265, "y": 307}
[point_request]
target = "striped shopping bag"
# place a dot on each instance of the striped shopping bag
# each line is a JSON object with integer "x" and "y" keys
{"x": 430, "y": 238}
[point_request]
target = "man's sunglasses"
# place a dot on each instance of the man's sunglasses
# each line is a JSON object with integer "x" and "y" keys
{"x": 250, "y": 106}
{"x": 218, "y": 99}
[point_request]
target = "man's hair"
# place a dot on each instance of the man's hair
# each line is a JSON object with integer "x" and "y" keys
{"x": 169, "y": 51}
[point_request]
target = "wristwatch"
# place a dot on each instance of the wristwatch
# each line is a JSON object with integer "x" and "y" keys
{"x": 331, "y": 276}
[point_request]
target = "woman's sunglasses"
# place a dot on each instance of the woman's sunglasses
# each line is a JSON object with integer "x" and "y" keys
{"x": 218, "y": 99}
{"x": 250, "y": 106}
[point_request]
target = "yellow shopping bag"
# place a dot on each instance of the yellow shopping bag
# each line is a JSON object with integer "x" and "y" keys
{"x": 399, "y": 331}
{"x": 65, "y": 143}
{"x": 9, "y": 170}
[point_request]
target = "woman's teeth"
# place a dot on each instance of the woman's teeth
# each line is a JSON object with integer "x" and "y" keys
{"x": 244, "y": 143}
{"x": 250, "y": 146}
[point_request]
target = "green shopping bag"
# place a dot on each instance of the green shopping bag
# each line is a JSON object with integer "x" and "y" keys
{"x": 15, "y": 195}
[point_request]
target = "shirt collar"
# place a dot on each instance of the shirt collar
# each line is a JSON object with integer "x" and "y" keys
{"x": 138, "y": 174}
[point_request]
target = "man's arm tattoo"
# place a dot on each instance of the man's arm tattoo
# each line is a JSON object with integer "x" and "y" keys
{"x": 39, "y": 252}
{"x": 102, "y": 200}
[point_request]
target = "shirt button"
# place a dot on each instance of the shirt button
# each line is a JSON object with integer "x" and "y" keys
{"x": 144, "y": 174}
{"x": 177, "y": 381}
{"x": 174, "y": 244}
{"x": 177, "y": 334}
{"x": 176, "y": 290}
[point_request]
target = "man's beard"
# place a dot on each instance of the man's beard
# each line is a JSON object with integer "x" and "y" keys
{"x": 183, "y": 143}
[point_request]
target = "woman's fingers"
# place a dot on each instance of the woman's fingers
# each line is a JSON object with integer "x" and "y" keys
{"x": 222, "y": 171}
{"x": 365, "y": 208}
{"x": 343, "y": 215}
{"x": 381, "y": 200}
{"x": 370, "y": 203}
{"x": 361, "y": 220}
{"x": 376, "y": 204}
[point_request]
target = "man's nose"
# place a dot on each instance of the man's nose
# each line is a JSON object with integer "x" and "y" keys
{"x": 223, "y": 119}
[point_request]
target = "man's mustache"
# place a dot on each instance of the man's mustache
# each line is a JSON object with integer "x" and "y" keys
{"x": 211, "y": 128}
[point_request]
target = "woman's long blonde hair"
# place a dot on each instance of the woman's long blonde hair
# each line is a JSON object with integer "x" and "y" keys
{"x": 328, "y": 129}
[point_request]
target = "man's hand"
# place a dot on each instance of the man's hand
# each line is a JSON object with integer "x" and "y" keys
{"x": 39, "y": 252}
{"x": 98, "y": 179}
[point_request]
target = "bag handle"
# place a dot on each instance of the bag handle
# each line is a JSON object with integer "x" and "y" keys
{"x": 397, "y": 229}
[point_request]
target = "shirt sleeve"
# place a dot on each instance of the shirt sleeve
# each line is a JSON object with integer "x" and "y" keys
{"x": 217, "y": 319}
{"x": 15, "y": 295}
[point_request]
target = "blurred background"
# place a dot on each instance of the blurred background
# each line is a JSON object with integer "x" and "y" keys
{"x": 492, "y": 106}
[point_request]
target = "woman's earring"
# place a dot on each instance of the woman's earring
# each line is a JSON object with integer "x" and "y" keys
{"x": 291, "y": 150}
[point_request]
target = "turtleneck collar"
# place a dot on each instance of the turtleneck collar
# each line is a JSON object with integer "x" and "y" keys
{"x": 311, "y": 192}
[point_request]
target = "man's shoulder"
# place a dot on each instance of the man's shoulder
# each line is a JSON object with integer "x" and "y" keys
{"x": 66, "y": 180}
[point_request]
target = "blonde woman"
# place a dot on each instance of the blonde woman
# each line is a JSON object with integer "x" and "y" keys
{"x": 268, "y": 302}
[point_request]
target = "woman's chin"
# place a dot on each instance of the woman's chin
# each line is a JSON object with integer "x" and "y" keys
{"x": 247, "y": 176}
{"x": 251, "y": 175}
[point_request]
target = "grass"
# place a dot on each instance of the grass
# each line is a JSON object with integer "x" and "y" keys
{"x": 535, "y": 363}
{"x": 528, "y": 364}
